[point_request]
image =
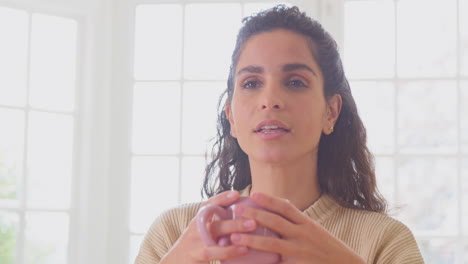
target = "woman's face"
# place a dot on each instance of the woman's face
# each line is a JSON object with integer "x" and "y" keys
{"x": 278, "y": 110}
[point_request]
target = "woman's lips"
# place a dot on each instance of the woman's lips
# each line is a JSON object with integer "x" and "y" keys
{"x": 270, "y": 134}
{"x": 271, "y": 124}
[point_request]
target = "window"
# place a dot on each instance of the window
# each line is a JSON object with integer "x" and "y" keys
{"x": 406, "y": 62}
{"x": 37, "y": 113}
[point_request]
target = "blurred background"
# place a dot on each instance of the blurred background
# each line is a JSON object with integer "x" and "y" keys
{"x": 107, "y": 108}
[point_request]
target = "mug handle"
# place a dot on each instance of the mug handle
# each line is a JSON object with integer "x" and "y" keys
{"x": 204, "y": 215}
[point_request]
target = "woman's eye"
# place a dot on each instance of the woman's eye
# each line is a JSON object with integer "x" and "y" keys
{"x": 250, "y": 84}
{"x": 296, "y": 83}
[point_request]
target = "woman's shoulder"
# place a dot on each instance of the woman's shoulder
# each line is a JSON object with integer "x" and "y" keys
{"x": 381, "y": 228}
{"x": 165, "y": 231}
{"x": 170, "y": 224}
{"x": 374, "y": 220}
{"x": 377, "y": 236}
{"x": 178, "y": 216}
{"x": 329, "y": 212}
{"x": 365, "y": 224}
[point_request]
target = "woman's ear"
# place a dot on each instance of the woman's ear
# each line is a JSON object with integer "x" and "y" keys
{"x": 227, "y": 110}
{"x": 333, "y": 112}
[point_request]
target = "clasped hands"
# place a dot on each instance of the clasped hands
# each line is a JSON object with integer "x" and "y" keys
{"x": 302, "y": 239}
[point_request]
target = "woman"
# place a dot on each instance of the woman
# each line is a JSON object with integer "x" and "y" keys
{"x": 290, "y": 137}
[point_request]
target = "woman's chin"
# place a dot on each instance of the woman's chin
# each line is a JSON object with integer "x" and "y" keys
{"x": 274, "y": 157}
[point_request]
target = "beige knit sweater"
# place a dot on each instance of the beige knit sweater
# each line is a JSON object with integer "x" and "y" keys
{"x": 376, "y": 237}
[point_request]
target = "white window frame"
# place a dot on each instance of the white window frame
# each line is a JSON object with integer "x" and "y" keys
{"x": 460, "y": 240}
{"x": 88, "y": 225}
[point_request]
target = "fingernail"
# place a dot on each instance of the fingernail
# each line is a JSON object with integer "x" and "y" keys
{"x": 249, "y": 223}
{"x": 242, "y": 250}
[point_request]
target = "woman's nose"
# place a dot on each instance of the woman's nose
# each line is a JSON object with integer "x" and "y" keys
{"x": 268, "y": 106}
{"x": 272, "y": 98}
{"x": 273, "y": 107}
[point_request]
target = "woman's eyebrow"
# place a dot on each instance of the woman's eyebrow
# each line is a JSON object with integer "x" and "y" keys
{"x": 297, "y": 66}
{"x": 250, "y": 69}
{"x": 286, "y": 68}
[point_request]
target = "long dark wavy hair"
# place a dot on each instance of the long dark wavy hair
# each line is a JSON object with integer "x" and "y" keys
{"x": 345, "y": 166}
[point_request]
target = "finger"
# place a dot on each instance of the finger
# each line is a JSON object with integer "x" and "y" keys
{"x": 270, "y": 244}
{"x": 275, "y": 222}
{"x": 280, "y": 206}
{"x": 220, "y": 228}
{"x": 219, "y": 253}
{"x": 223, "y": 199}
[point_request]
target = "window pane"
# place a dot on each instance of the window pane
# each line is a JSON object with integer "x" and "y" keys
{"x": 464, "y": 115}
{"x": 463, "y": 10}
{"x": 156, "y": 118}
{"x": 158, "y": 47}
{"x": 436, "y": 250}
{"x": 210, "y": 33}
{"x": 254, "y": 8}
{"x": 46, "y": 238}
{"x": 8, "y": 237}
{"x": 369, "y": 50}
{"x": 465, "y": 195}
{"x": 431, "y": 208}
{"x": 193, "y": 173}
{"x": 11, "y": 153}
{"x": 53, "y": 62}
{"x": 427, "y": 113}
{"x": 13, "y": 54}
{"x": 155, "y": 181}
{"x": 200, "y": 115}
{"x": 386, "y": 178}
{"x": 50, "y": 141}
{"x": 375, "y": 102}
{"x": 432, "y": 51}
{"x": 135, "y": 243}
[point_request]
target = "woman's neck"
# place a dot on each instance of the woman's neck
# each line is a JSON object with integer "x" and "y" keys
{"x": 296, "y": 181}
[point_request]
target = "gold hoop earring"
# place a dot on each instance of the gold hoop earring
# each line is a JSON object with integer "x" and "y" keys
{"x": 331, "y": 129}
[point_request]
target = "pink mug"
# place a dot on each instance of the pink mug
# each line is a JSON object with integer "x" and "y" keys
{"x": 254, "y": 256}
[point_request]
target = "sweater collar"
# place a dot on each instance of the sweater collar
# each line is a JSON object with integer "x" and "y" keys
{"x": 318, "y": 211}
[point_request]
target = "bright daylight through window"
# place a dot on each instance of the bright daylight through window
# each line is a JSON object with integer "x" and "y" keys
{"x": 406, "y": 62}
{"x": 37, "y": 96}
